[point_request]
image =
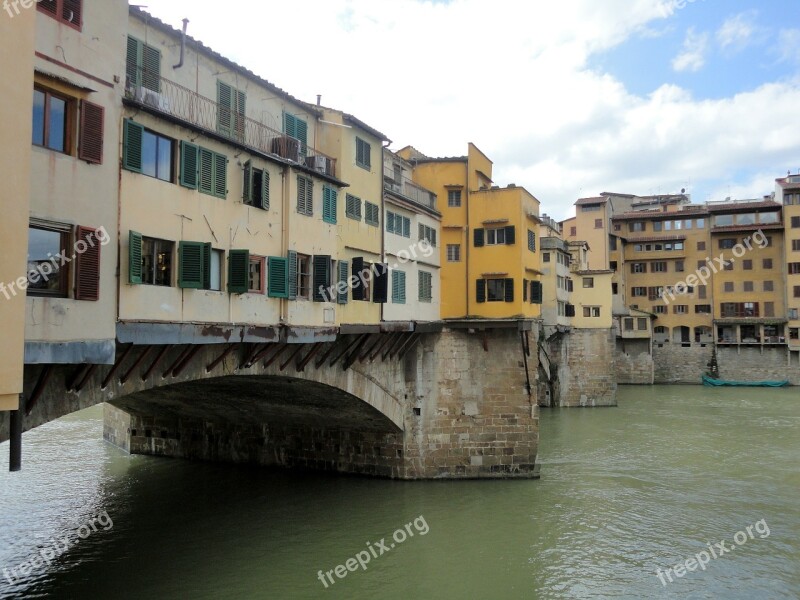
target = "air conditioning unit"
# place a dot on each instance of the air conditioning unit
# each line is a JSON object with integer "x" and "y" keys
{"x": 318, "y": 163}
{"x": 287, "y": 147}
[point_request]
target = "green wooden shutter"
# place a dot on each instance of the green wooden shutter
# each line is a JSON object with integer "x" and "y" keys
{"x": 224, "y": 106}
{"x": 480, "y": 290}
{"x": 206, "y": 161}
{"x": 135, "y": 257}
{"x": 398, "y": 287}
{"x": 190, "y": 265}
{"x": 221, "y": 176}
{"x": 524, "y": 290}
{"x": 189, "y": 160}
{"x": 509, "y": 290}
{"x": 358, "y": 285}
{"x": 322, "y": 278}
{"x": 390, "y": 222}
{"x": 536, "y": 293}
{"x": 288, "y": 124}
{"x": 380, "y": 290}
{"x": 329, "y": 205}
{"x": 511, "y": 235}
{"x": 342, "y": 284}
{"x": 151, "y": 68}
{"x": 291, "y": 275}
{"x": 239, "y": 114}
{"x": 132, "y": 146}
{"x": 265, "y": 190}
{"x": 133, "y": 61}
{"x": 301, "y": 129}
{"x": 278, "y": 277}
{"x": 406, "y": 227}
{"x": 479, "y": 238}
{"x": 207, "y": 266}
{"x": 247, "y": 187}
{"x": 238, "y": 271}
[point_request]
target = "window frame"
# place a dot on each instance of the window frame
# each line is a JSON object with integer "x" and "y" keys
{"x": 456, "y": 251}
{"x": 172, "y": 267}
{"x": 303, "y": 292}
{"x": 65, "y": 271}
{"x": 70, "y": 104}
{"x": 59, "y": 14}
{"x": 454, "y": 198}
{"x": 363, "y": 150}
{"x": 261, "y": 261}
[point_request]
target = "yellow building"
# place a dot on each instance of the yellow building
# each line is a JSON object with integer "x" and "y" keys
{"x": 592, "y": 299}
{"x": 787, "y": 193}
{"x": 489, "y": 249}
{"x": 18, "y": 36}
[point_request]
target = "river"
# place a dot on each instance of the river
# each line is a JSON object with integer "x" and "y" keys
{"x": 626, "y": 491}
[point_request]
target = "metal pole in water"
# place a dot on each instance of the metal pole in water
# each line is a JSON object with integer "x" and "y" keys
{"x": 15, "y": 435}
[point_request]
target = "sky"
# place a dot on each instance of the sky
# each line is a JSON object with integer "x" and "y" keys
{"x": 569, "y": 98}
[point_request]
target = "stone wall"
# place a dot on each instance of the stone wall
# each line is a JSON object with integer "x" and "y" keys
{"x": 583, "y": 364}
{"x": 757, "y": 364}
{"x": 677, "y": 364}
{"x": 633, "y": 362}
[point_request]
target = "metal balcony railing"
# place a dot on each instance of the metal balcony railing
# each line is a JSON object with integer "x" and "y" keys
{"x": 410, "y": 190}
{"x": 177, "y": 101}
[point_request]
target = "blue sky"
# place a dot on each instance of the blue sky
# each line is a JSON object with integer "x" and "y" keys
{"x": 568, "y": 98}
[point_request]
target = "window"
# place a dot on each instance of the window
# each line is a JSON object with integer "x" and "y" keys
{"x": 231, "y": 110}
{"x": 453, "y": 252}
{"x": 588, "y": 282}
{"x": 155, "y": 260}
{"x": 657, "y": 226}
{"x": 428, "y": 234}
{"x": 679, "y": 266}
{"x": 701, "y": 245}
{"x": 255, "y": 275}
{"x": 200, "y": 169}
{"x": 794, "y": 333}
{"x": 531, "y": 241}
{"x": 591, "y": 311}
{"x": 687, "y": 224}
{"x": 546, "y": 257}
{"x": 52, "y": 121}
{"x": 660, "y": 309}
{"x": 703, "y": 309}
{"x": 454, "y": 198}
{"x": 64, "y": 11}
{"x": 628, "y": 324}
{"x": 701, "y": 223}
{"x": 794, "y": 268}
{"x": 256, "y": 187}
{"x": 797, "y": 291}
{"x": 701, "y": 264}
{"x": 748, "y": 286}
{"x": 767, "y": 263}
{"x": 658, "y": 267}
{"x": 795, "y": 245}
{"x": 143, "y": 69}
{"x": 371, "y": 214}
{"x": 425, "y": 286}
{"x": 612, "y": 242}
{"x": 321, "y": 271}
{"x": 680, "y": 309}
{"x": 641, "y": 324}
{"x": 353, "y": 207}
{"x": 156, "y": 156}
{"x": 702, "y": 292}
{"x": 398, "y": 287}
{"x": 614, "y": 289}
{"x": 723, "y": 220}
{"x": 329, "y": 196}
{"x": 617, "y": 227}
{"x": 613, "y": 265}
{"x": 496, "y": 237}
{"x": 213, "y": 173}
{"x": 573, "y": 231}
{"x": 296, "y": 128}
{"x": 496, "y": 290}
{"x": 728, "y": 266}
{"x": 747, "y": 265}
{"x": 638, "y": 267}
{"x": 769, "y": 309}
{"x": 598, "y": 223}
{"x": 654, "y": 293}
{"x": 398, "y": 224}
{"x": 303, "y": 277}
{"x": 363, "y": 154}
{"x": 636, "y": 227}
{"x": 727, "y": 243}
{"x": 46, "y": 275}
{"x": 795, "y": 222}
{"x": 571, "y": 285}
{"x": 638, "y": 292}
{"x": 305, "y": 195}
{"x": 215, "y": 270}
{"x": 728, "y": 286}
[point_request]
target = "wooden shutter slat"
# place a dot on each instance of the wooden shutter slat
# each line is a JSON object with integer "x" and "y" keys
{"x": 207, "y": 250}
{"x": 480, "y": 290}
{"x": 247, "y": 187}
{"x": 72, "y": 12}
{"x": 278, "y": 277}
{"x": 342, "y": 284}
{"x": 133, "y": 60}
{"x": 238, "y": 271}
{"x": 358, "y": 284}
{"x": 206, "y": 179}
{"x": 292, "y": 274}
{"x": 190, "y": 265}
{"x": 380, "y": 290}
{"x": 189, "y": 159}
{"x": 479, "y": 237}
{"x": 509, "y": 290}
{"x": 151, "y": 68}
{"x": 87, "y": 265}
{"x": 322, "y": 266}
{"x": 135, "y": 257}
{"x": 265, "y": 190}
{"x": 90, "y": 142}
{"x": 511, "y": 235}
{"x": 48, "y": 6}
{"x": 221, "y": 176}
{"x": 132, "y": 146}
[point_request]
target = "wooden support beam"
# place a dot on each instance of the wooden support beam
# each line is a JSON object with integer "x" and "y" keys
{"x": 89, "y": 372}
{"x": 274, "y": 357}
{"x": 116, "y": 367}
{"x": 185, "y": 362}
{"x": 396, "y": 350}
{"x": 390, "y": 348}
{"x": 301, "y": 364}
{"x": 352, "y": 344}
{"x": 321, "y": 360}
{"x": 80, "y": 374}
{"x": 213, "y": 365}
{"x": 161, "y": 353}
{"x": 407, "y": 346}
{"x": 384, "y": 341}
{"x": 176, "y": 362}
{"x": 353, "y": 356}
{"x": 368, "y": 348}
{"x": 291, "y": 356}
{"x": 485, "y": 340}
{"x": 255, "y": 355}
{"x": 124, "y": 379}
{"x": 41, "y": 384}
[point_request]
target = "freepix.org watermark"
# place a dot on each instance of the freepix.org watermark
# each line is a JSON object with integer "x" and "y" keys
{"x": 46, "y": 268}
{"x": 56, "y": 547}
{"x": 362, "y": 559}
{"x": 716, "y": 550}
{"x": 12, "y": 7}
{"x": 702, "y": 275}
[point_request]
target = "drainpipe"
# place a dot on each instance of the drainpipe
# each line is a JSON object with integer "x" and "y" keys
{"x": 183, "y": 44}
{"x": 382, "y": 217}
{"x": 466, "y": 245}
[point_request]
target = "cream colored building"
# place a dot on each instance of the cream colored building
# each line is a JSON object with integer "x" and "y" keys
{"x": 557, "y": 282}
{"x": 18, "y": 36}
{"x": 412, "y": 243}
{"x": 787, "y": 193}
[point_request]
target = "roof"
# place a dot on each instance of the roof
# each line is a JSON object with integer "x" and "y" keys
{"x": 643, "y": 215}
{"x": 655, "y": 238}
{"x": 744, "y": 206}
{"x": 596, "y": 200}
{"x": 596, "y": 272}
{"x": 200, "y": 47}
{"x": 786, "y": 184}
{"x": 754, "y": 226}
{"x": 351, "y": 119}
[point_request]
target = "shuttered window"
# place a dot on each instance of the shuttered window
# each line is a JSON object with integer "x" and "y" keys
{"x": 291, "y": 274}
{"x": 278, "y": 277}
{"x": 358, "y": 278}
{"x": 213, "y": 173}
{"x": 380, "y": 292}
{"x": 363, "y": 154}
{"x": 531, "y": 241}
{"x": 256, "y": 187}
{"x": 398, "y": 287}
{"x": 90, "y": 140}
{"x": 143, "y": 68}
{"x": 87, "y": 264}
{"x": 344, "y": 282}
{"x": 189, "y": 165}
{"x": 69, "y": 12}
{"x": 135, "y": 257}
{"x": 231, "y": 111}
{"x": 238, "y": 271}
{"x": 132, "y": 146}
{"x": 191, "y": 262}
{"x": 427, "y": 233}
{"x": 320, "y": 291}
{"x": 329, "y": 196}
{"x": 353, "y": 207}
{"x": 372, "y": 212}
{"x": 305, "y": 195}
{"x": 298, "y": 129}
{"x": 398, "y": 224}
{"x": 425, "y": 286}
{"x": 536, "y": 294}
{"x": 479, "y": 238}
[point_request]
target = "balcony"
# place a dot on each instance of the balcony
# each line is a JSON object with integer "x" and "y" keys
{"x": 172, "y": 99}
{"x": 410, "y": 191}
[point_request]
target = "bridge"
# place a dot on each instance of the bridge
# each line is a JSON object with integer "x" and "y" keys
{"x": 395, "y": 400}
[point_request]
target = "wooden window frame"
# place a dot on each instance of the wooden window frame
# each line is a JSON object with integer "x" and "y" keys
{"x": 261, "y": 261}
{"x": 65, "y": 271}
{"x": 70, "y": 110}
{"x": 59, "y": 14}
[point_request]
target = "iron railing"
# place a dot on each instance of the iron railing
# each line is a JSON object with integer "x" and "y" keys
{"x": 410, "y": 190}
{"x": 177, "y": 101}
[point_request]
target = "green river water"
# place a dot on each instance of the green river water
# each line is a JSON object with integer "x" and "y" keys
{"x": 624, "y": 492}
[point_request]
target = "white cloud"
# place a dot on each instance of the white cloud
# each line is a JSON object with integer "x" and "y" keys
{"x": 514, "y": 80}
{"x": 740, "y": 31}
{"x": 789, "y": 45}
{"x": 693, "y": 54}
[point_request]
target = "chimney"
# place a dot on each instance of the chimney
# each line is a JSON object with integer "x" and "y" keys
{"x": 319, "y": 99}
